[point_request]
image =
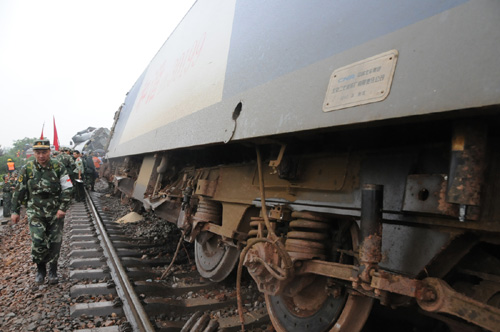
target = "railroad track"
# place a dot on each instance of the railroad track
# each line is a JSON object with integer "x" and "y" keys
{"x": 115, "y": 278}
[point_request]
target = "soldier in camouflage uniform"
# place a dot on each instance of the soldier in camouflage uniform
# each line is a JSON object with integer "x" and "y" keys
{"x": 46, "y": 186}
{"x": 79, "y": 174}
{"x": 68, "y": 162}
{"x": 89, "y": 178}
{"x": 8, "y": 184}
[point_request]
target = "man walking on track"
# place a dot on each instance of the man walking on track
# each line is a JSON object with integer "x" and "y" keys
{"x": 79, "y": 174}
{"x": 45, "y": 185}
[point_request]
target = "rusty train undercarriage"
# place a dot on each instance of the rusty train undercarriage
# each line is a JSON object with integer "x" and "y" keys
{"x": 328, "y": 223}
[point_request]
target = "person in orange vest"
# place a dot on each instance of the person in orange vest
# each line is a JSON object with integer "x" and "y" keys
{"x": 96, "y": 160}
{"x": 11, "y": 166}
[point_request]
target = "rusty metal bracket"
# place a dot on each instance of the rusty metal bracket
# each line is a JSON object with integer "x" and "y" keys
{"x": 224, "y": 232}
{"x": 280, "y": 212}
{"x": 327, "y": 269}
{"x": 449, "y": 301}
{"x": 398, "y": 284}
{"x": 432, "y": 294}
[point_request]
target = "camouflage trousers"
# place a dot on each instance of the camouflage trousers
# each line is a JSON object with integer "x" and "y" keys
{"x": 46, "y": 238}
{"x": 79, "y": 191}
{"x": 89, "y": 180}
{"x": 7, "y": 198}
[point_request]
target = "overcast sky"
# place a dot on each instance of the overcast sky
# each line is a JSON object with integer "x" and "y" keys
{"x": 75, "y": 60}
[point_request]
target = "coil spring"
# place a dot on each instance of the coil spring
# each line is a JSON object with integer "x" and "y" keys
{"x": 308, "y": 236}
{"x": 254, "y": 224}
{"x": 208, "y": 210}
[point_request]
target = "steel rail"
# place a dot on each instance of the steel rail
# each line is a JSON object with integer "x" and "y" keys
{"x": 132, "y": 307}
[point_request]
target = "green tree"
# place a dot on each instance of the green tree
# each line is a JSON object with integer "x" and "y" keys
{"x": 22, "y": 145}
{"x": 17, "y": 153}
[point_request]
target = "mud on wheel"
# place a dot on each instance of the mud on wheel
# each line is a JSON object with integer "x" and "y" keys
{"x": 317, "y": 303}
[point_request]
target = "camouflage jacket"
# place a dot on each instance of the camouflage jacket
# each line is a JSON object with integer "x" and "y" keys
{"x": 46, "y": 189}
{"x": 79, "y": 166}
{"x": 67, "y": 161}
{"x": 7, "y": 186}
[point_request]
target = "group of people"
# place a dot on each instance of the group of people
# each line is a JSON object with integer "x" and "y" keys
{"x": 82, "y": 169}
{"x": 45, "y": 186}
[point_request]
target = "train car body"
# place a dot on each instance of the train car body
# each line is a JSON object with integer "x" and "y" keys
{"x": 347, "y": 148}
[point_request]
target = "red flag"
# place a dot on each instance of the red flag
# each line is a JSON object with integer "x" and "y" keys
{"x": 41, "y": 136}
{"x": 56, "y": 139}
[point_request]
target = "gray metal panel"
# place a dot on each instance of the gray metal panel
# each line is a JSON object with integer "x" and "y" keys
{"x": 448, "y": 61}
{"x": 292, "y": 34}
{"x": 409, "y": 249}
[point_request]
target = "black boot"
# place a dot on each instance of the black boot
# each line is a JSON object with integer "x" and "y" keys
{"x": 41, "y": 272}
{"x": 53, "y": 274}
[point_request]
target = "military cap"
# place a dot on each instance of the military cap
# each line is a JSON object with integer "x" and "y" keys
{"x": 41, "y": 144}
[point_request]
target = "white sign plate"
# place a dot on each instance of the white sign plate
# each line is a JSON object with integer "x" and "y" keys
{"x": 360, "y": 83}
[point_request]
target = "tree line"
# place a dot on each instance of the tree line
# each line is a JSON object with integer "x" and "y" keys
{"x": 17, "y": 153}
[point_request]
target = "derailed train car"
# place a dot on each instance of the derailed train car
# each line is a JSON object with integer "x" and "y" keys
{"x": 347, "y": 150}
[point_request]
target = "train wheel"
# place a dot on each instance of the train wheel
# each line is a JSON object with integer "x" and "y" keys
{"x": 214, "y": 259}
{"x": 318, "y": 307}
{"x": 307, "y": 312}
